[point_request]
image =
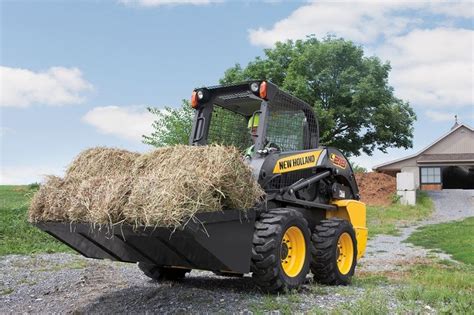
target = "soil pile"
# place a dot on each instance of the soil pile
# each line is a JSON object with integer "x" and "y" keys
{"x": 376, "y": 188}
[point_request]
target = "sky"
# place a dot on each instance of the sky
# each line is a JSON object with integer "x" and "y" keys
{"x": 78, "y": 74}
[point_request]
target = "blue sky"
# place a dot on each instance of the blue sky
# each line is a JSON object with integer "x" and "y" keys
{"x": 79, "y": 74}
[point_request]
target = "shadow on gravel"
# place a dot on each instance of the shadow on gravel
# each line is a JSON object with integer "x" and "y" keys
{"x": 193, "y": 294}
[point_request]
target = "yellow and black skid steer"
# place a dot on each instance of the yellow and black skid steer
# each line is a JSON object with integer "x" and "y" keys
{"x": 310, "y": 221}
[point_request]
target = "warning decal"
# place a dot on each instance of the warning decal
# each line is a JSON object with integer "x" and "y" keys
{"x": 338, "y": 160}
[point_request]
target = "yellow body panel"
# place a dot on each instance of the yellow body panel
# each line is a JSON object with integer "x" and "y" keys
{"x": 296, "y": 162}
{"x": 355, "y": 212}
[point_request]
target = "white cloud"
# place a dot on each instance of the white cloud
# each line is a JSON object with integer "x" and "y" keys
{"x": 56, "y": 86}
{"x": 439, "y": 116}
{"x": 128, "y": 123}
{"x": 432, "y": 67}
{"x": 21, "y": 175}
{"x": 362, "y": 22}
{"x": 463, "y": 9}
{"x": 157, "y": 3}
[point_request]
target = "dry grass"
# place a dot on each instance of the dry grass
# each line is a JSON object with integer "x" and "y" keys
{"x": 101, "y": 161}
{"x": 165, "y": 187}
{"x": 52, "y": 200}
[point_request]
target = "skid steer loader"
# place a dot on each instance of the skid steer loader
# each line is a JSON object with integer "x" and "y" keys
{"x": 310, "y": 220}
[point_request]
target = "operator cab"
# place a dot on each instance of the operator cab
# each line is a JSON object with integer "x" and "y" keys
{"x": 256, "y": 117}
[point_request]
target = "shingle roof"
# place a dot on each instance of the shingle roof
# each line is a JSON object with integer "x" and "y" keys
{"x": 457, "y": 157}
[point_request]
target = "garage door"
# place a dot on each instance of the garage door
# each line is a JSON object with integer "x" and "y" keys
{"x": 458, "y": 177}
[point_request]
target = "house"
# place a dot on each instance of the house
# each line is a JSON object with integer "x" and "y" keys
{"x": 447, "y": 163}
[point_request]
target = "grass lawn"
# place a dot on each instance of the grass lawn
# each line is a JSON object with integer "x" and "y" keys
{"x": 455, "y": 238}
{"x": 17, "y": 236}
{"x": 384, "y": 220}
{"x": 446, "y": 287}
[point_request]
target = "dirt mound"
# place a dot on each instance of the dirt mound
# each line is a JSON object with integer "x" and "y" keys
{"x": 165, "y": 187}
{"x": 376, "y": 188}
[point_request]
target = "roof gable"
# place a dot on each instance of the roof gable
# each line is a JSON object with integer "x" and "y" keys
{"x": 430, "y": 147}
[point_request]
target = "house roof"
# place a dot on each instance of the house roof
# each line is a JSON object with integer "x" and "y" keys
{"x": 425, "y": 149}
{"x": 454, "y": 157}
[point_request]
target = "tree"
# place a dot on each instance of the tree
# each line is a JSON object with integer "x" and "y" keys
{"x": 349, "y": 92}
{"x": 172, "y": 125}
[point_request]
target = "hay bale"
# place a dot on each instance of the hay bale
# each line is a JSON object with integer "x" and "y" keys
{"x": 155, "y": 201}
{"x": 101, "y": 161}
{"x": 101, "y": 199}
{"x": 165, "y": 187}
{"x": 173, "y": 184}
{"x": 52, "y": 201}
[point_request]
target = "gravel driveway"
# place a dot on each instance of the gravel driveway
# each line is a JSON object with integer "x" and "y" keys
{"x": 70, "y": 283}
{"x": 385, "y": 252}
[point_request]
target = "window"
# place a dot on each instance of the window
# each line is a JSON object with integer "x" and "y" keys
{"x": 430, "y": 175}
{"x": 286, "y": 128}
{"x": 228, "y": 128}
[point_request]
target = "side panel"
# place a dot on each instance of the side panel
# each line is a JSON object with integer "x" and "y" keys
{"x": 355, "y": 212}
{"x": 335, "y": 159}
{"x": 285, "y": 168}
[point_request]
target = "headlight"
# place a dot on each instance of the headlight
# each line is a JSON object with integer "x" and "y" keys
{"x": 254, "y": 87}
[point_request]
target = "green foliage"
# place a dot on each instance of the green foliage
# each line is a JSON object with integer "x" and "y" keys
{"x": 447, "y": 289}
{"x": 455, "y": 238}
{"x": 395, "y": 198}
{"x": 34, "y": 186}
{"x": 172, "y": 125}
{"x": 384, "y": 220}
{"x": 17, "y": 236}
{"x": 356, "y": 108}
{"x": 358, "y": 169}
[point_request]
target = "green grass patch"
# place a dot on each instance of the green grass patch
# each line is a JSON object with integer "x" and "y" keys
{"x": 368, "y": 280}
{"x": 454, "y": 238}
{"x": 7, "y": 291}
{"x": 372, "y": 302}
{"x": 17, "y": 236}
{"x": 386, "y": 219}
{"x": 447, "y": 289}
{"x": 285, "y": 304}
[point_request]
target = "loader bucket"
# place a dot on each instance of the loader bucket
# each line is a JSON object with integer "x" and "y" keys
{"x": 218, "y": 241}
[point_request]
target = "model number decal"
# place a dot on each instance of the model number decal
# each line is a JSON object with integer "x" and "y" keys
{"x": 338, "y": 160}
{"x": 296, "y": 162}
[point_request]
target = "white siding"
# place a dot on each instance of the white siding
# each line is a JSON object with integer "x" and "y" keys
{"x": 460, "y": 141}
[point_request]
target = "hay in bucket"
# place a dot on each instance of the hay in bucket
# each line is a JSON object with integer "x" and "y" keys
{"x": 52, "y": 201}
{"x": 173, "y": 184}
{"x": 100, "y": 199}
{"x": 165, "y": 187}
{"x": 101, "y": 161}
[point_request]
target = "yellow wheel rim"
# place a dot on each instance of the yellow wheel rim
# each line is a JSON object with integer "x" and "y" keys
{"x": 345, "y": 253}
{"x": 293, "y": 251}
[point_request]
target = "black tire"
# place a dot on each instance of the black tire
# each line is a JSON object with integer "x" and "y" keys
{"x": 159, "y": 273}
{"x": 268, "y": 248}
{"x": 325, "y": 255}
